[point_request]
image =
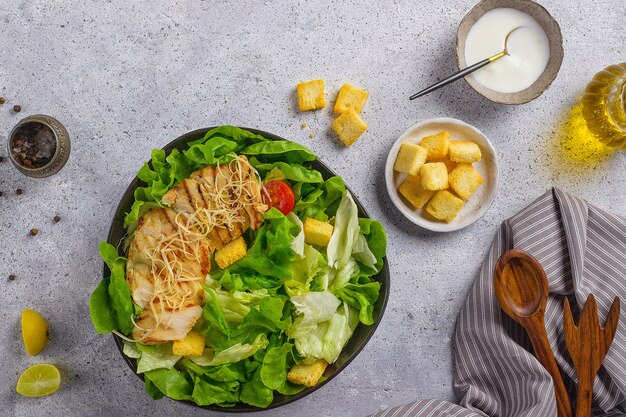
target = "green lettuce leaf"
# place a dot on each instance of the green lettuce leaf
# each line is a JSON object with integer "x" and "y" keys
{"x": 280, "y": 151}
{"x": 266, "y": 318}
{"x": 155, "y": 357}
{"x": 102, "y": 315}
{"x": 214, "y": 315}
{"x": 270, "y": 253}
{"x": 315, "y": 308}
{"x": 255, "y": 392}
{"x": 319, "y": 202}
{"x": 276, "y": 365}
{"x": 170, "y": 382}
{"x": 131, "y": 350}
{"x": 242, "y": 136}
{"x": 207, "y": 391}
{"x": 376, "y": 239}
{"x": 229, "y": 373}
{"x": 363, "y": 297}
{"x": 115, "y": 308}
{"x": 306, "y": 267}
{"x": 326, "y": 339}
{"x": 233, "y": 354}
{"x": 345, "y": 233}
{"x": 233, "y": 306}
{"x": 297, "y": 244}
{"x": 289, "y": 171}
{"x": 343, "y": 275}
{"x": 152, "y": 390}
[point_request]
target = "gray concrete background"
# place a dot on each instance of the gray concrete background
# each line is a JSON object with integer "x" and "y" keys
{"x": 125, "y": 77}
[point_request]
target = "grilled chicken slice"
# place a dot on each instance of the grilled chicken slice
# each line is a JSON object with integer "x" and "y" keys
{"x": 165, "y": 319}
{"x": 173, "y": 325}
{"x": 169, "y": 256}
{"x": 201, "y": 189}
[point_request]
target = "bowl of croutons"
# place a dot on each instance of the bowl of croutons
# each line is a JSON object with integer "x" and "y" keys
{"x": 442, "y": 174}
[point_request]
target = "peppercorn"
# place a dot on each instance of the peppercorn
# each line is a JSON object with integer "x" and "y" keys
{"x": 33, "y": 145}
{"x": 2, "y": 100}
{"x": 33, "y": 232}
{"x": 12, "y": 277}
{"x": 19, "y": 191}
{"x": 17, "y": 108}
{"x": 57, "y": 218}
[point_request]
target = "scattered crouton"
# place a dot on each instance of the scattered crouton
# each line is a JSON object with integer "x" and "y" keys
{"x": 464, "y": 151}
{"x": 412, "y": 190}
{"x": 350, "y": 96}
{"x": 438, "y": 145}
{"x": 410, "y": 158}
{"x": 444, "y": 206}
{"x": 349, "y": 126}
{"x": 464, "y": 180}
{"x": 191, "y": 345}
{"x": 434, "y": 176}
{"x": 311, "y": 95}
{"x": 231, "y": 253}
{"x": 317, "y": 232}
{"x": 307, "y": 375}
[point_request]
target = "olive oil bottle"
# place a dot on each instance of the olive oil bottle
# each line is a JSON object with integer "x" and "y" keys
{"x": 604, "y": 105}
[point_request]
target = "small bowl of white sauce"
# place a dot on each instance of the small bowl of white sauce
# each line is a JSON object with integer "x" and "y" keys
{"x": 535, "y": 49}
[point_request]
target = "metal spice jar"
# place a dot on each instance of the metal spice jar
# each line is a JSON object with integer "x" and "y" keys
{"x": 39, "y": 146}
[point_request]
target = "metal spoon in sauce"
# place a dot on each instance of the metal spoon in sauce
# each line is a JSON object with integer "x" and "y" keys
{"x": 462, "y": 73}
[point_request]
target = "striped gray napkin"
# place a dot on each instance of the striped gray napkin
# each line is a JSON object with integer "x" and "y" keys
{"x": 583, "y": 250}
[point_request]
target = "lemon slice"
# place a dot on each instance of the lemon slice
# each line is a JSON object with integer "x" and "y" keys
{"x": 39, "y": 380}
{"x": 34, "y": 332}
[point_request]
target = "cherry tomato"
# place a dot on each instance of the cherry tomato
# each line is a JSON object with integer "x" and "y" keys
{"x": 279, "y": 195}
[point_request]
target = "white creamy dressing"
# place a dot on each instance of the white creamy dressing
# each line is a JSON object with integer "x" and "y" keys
{"x": 528, "y": 50}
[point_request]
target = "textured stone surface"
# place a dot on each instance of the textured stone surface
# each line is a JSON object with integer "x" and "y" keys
{"x": 125, "y": 77}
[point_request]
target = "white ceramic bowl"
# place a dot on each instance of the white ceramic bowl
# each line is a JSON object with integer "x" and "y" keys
{"x": 477, "y": 204}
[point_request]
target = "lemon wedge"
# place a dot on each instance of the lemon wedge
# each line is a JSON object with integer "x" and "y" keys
{"x": 39, "y": 380}
{"x": 34, "y": 332}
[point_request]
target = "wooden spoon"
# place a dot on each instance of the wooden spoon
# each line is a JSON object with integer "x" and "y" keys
{"x": 588, "y": 344}
{"x": 521, "y": 288}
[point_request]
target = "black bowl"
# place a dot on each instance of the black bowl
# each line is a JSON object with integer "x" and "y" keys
{"x": 361, "y": 335}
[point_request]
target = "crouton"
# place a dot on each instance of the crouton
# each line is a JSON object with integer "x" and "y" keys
{"x": 350, "y": 96}
{"x": 317, "y": 232}
{"x": 434, "y": 176}
{"x": 410, "y": 158}
{"x": 464, "y": 180}
{"x": 231, "y": 253}
{"x": 412, "y": 190}
{"x": 349, "y": 126}
{"x": 464, "y": 151}
{"x": 444, "y": 206}
{"x": 191, "y": 345}
{"x": 449, "y": 164}
{"x": 311, "y": 95}
{"x": 438, "y": 145}
{"x": 307, "y": 375}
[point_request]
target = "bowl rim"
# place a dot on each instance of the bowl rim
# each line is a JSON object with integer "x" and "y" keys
{"x": 383, "y": 277}
{"x": 439, "y": 227}
{"x": 555, "y": 40}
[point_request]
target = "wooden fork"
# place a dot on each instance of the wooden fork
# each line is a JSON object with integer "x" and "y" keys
{"x": 588, "y": 344}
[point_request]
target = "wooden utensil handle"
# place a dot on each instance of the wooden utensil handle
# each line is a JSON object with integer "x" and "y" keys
{"x": 543, "y": 353}
{"x": 583, "y": 396}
